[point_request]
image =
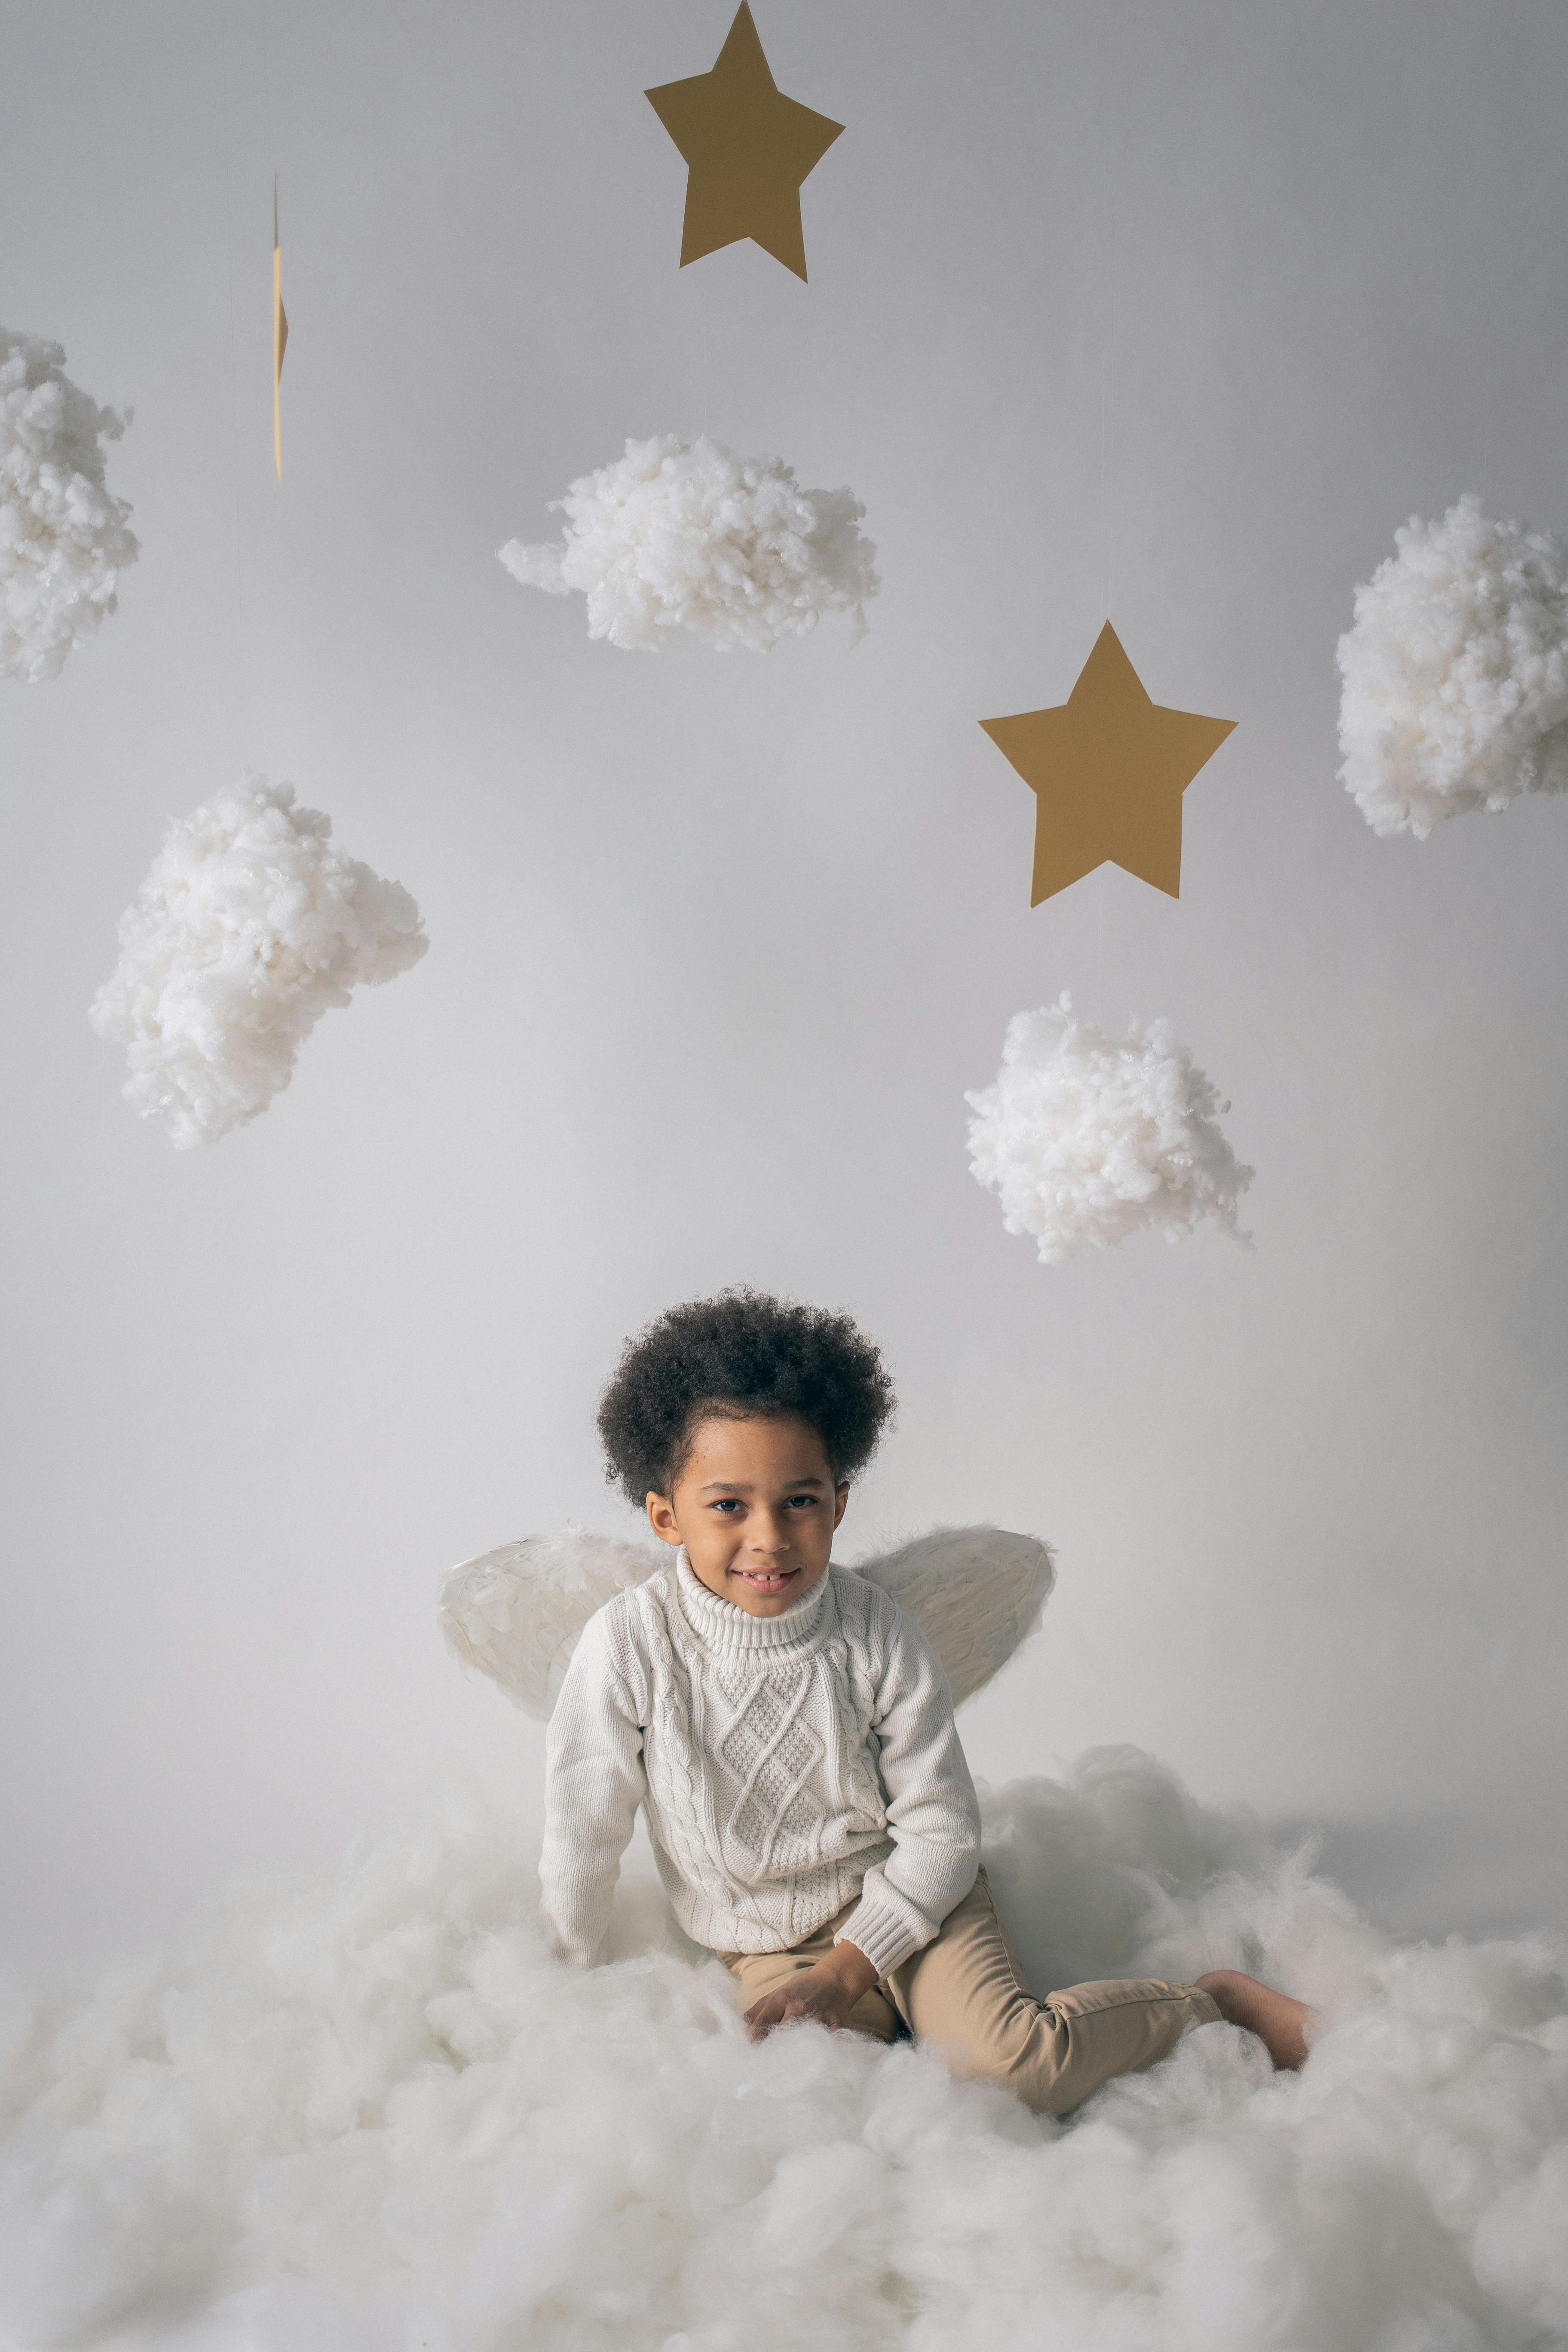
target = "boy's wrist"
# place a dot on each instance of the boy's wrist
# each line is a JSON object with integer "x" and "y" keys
{"x": 852, "y": 1968}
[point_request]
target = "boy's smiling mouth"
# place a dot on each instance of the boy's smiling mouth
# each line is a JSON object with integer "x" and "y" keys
{"x": 767, "y": 1579}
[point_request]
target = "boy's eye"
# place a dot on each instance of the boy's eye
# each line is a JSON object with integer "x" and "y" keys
{"x": 731, "y": 1504}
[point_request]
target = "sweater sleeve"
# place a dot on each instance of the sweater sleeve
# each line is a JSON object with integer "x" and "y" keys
{"x": 933, "y": 1814}
{"x": 594, "y": 1783}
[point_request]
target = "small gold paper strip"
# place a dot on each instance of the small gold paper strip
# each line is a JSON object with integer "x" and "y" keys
{"x": 280, "y": 342}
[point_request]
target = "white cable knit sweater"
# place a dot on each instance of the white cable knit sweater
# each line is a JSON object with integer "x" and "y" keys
{"x": 787, "y": 1765}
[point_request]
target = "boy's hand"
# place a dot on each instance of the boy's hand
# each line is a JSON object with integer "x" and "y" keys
{"x": 826, "y": 1992}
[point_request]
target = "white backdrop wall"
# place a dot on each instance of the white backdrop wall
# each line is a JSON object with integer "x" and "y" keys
{"x": 1172, "y": 311}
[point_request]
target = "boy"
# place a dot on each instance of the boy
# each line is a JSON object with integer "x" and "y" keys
{"x": 791, "y": 1734}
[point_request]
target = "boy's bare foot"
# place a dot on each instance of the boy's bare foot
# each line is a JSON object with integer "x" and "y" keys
{"x": 1279, "y": 2023}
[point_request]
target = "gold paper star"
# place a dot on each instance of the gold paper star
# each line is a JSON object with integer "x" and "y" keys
{"x": 1108, "y": 769}
{"x": 747, "y": 147}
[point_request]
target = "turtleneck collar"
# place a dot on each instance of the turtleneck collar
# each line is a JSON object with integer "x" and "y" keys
{"x": 725, "y": 1625}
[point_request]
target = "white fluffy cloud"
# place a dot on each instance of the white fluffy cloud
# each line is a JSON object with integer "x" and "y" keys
{"x": 1455, "y": 672}
{"x": 683, "y": 535}
{"x": 63, "y": 540}
{"x": 249, "y": 925}
{"x": 370, "y": 2110}
{"x": 1089, "y": 1137}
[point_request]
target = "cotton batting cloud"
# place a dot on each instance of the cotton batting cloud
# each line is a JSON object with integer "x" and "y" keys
{"x": 369, "y": 2109}
{"x": 1455, "y": 672}
{"x": 1089, "y": 1138}
{"x": 63, "y": 537}
{"x": 684, "y": 535}
{"x": 249, "y": 925}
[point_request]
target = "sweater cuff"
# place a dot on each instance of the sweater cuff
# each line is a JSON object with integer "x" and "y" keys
{"x": 887, "y": 1937}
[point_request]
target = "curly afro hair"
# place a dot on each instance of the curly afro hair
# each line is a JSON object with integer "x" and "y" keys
{"x": 741, "y": 1354}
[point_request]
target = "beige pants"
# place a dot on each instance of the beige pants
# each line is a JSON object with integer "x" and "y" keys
{"x": 965, "y": 1992}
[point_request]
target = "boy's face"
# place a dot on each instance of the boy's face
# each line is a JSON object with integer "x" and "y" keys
{"x": 755, "y": 1505}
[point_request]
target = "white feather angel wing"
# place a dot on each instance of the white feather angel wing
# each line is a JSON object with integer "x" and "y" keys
{"x": 516, "y": 1612}
{"x": 976, "y": 1594}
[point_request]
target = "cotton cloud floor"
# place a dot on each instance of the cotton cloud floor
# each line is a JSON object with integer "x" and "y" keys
{"x": 371, "y": 2114}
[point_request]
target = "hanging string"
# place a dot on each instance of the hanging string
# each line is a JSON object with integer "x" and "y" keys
{"x": 241, "y": 664}
{"x": 1104, "y": 505}
{"x": 279, "y": 316}
{"x": 1101, "y": 879}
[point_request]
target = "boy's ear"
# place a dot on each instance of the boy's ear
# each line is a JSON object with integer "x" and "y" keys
{"x": 661, "y": 1518}
{"x": 841, "y": 1497}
